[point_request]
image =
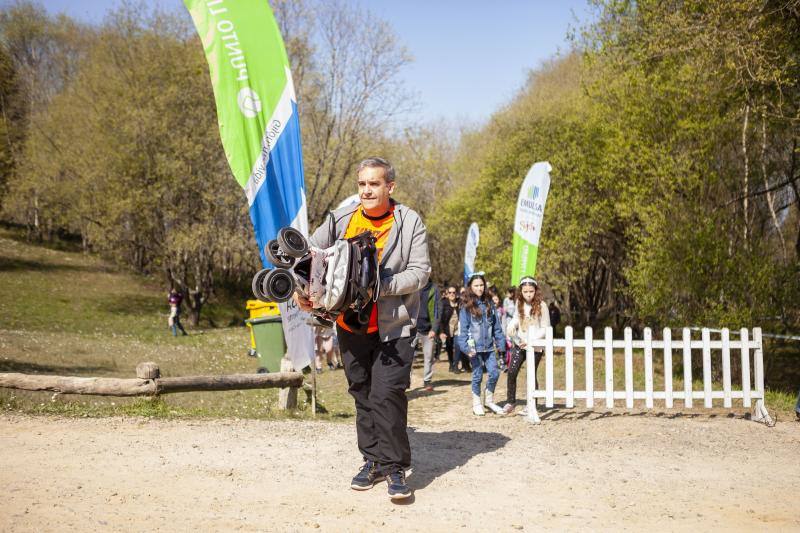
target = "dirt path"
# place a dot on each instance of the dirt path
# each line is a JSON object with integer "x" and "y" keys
{"x": 578, "y": 470}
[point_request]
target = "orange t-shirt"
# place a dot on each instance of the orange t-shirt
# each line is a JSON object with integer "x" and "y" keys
{"x": 379, "y": 227}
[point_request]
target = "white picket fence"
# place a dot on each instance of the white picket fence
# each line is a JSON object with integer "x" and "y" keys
{"x": 752, "y": 387}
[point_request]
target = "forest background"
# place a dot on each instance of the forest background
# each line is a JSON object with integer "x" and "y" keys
{"x": 672, "y": 129}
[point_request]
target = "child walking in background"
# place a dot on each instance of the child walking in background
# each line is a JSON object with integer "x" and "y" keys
{"x": 531, "y": 312}
{"x": 174, "y": 298}
{"x": 479, "y": 335}
{"x": 323, "y": 347}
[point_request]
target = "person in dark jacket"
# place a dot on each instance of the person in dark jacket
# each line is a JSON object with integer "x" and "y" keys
{"x": 448, "y": 329}
{"x": 555, "y": 314}
{"x": 427, "y": 324}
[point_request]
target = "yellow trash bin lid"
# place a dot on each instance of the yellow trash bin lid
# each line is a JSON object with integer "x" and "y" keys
{"x": 257, "y": 309}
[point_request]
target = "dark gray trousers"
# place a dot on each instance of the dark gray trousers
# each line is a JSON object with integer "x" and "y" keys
{"x": 378, "y": 374}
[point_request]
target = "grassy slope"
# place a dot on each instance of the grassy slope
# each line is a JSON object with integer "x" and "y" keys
{"x": 63, "y": 312}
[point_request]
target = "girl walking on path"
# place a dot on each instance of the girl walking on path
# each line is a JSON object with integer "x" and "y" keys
{"x": 479, "y": 335}
{"x": 531, "y": 312}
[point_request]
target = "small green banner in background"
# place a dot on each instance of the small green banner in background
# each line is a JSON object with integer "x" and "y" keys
{"x": 528, "y": 220}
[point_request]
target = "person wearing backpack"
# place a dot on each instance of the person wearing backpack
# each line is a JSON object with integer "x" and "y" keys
{"x": 378, "y": 356}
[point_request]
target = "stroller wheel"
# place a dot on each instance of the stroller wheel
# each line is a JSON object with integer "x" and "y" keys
{"x": 258, "y": 281}
{"x": 292, "y": 242}
{"x": 273, "y": 252}
{"x": 279, "y": 285}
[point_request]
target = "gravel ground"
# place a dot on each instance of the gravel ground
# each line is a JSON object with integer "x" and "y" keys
{"x": 578, "y": 470}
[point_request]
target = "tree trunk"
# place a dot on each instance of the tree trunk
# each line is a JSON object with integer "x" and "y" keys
{"x": 194, "y": 303}
{"x": 745, "y": 204}
{"x": 770, "y": 202}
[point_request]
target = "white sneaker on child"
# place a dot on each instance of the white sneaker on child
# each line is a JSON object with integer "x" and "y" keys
{"x": 496, "y": 409}
{"x": 477, "y": 408}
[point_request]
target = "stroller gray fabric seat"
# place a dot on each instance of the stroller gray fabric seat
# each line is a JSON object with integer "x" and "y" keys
{"x": 340, "y": 279}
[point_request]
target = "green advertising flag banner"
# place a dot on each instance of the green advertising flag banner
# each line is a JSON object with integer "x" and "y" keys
{"x": 249, "y": 72}
{"x": 260, "y": 129}
{"x": 528, "y": 221}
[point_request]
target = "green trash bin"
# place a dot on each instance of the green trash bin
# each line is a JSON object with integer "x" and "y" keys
{"x": 270, "y": 343}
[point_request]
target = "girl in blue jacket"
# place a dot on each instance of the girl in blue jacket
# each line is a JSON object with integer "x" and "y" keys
{"x": 480, "y": 333}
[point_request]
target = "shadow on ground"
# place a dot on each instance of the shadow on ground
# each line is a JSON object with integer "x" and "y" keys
{"x": 420, "y": 392}
{"x": 451, "y": 382}
{"x": 26, "y": 367}
{"x": 561, "y": 413}
{"x": 436, "y": 454}
{"x": 8, "y": 264}
{"x": 134, "y": 304}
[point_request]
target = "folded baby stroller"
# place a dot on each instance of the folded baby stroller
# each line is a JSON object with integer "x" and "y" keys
{"x": 336, "y": 279}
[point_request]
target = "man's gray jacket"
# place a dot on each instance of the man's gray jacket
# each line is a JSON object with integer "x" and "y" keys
{"x": 404, "y": 266}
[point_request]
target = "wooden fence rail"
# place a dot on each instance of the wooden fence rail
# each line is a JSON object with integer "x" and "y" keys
{"x": 148, "y": 383}
{"x": 684, "y": 348}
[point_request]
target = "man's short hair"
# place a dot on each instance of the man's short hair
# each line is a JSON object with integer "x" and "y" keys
{"x": 378, "y": 162}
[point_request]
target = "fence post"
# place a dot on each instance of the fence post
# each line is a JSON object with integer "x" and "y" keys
{"x": 628, "y": 368}
{"x": 668, "y": 367}
{"x": 687, "y": 368}
{"x": 648, "y": 368}
{"x": 609, "y": 348}
{"x": 706, "y": 335}
{"x": 745, "y": 337}
{"x": 726, "y": 367}
{"x": 548, "y": 367}
{"x": 568, "y": 367}
{"x": 287, "y": 398}
{"x": 589, "y": 366}
{"x": 761, "y": 414}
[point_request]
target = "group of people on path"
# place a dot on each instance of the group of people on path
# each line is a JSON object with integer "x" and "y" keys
{"x": 481, "y": 335}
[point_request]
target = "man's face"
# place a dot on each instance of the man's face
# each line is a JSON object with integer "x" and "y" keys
{"x": 373, "y": 191}
{"x": 452, "y": 294}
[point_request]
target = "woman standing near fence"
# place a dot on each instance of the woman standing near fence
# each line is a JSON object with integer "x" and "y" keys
{"x": 531, "y": 311}
{"x": 479, "y": 334}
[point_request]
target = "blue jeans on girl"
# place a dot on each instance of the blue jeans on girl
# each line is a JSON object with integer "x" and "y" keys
{"x": 478, "y": 361}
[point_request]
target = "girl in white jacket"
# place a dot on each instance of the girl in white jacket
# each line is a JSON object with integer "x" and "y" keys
{"x": 530, "y": 311}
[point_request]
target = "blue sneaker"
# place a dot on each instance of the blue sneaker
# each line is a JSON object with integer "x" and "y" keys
{"x": 366, "y": 477}
{"x": 398, "y": 490}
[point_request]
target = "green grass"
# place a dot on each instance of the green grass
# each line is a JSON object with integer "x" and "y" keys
{"x": 66, "y": 313}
